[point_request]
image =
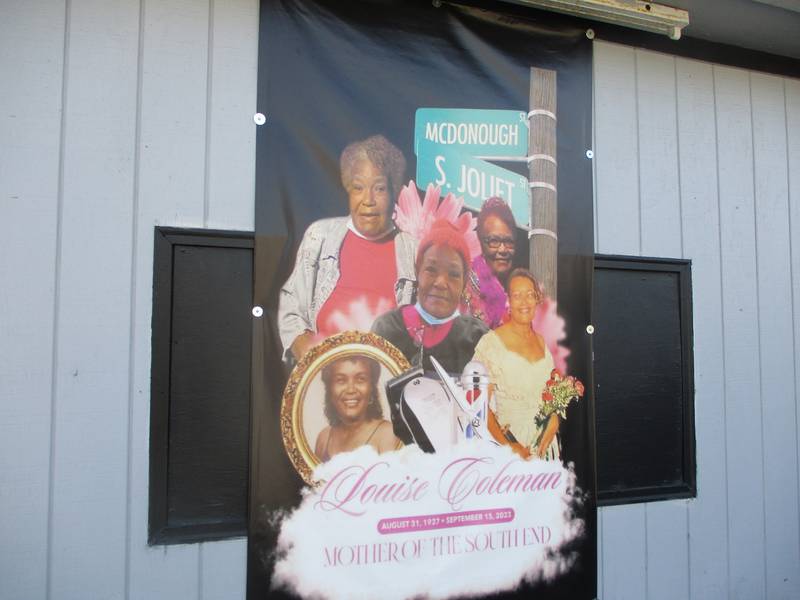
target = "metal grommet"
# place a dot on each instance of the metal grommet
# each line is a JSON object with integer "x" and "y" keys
{"x": 590, "y": 34}
{"x": 590, "y": 329}
{"x": 257, "y": 311}
{"x": 589, "y": 154}
{"x": 259, "y": 119}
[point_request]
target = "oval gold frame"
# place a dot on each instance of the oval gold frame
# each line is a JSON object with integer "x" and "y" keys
{"x": 335, "y": 347}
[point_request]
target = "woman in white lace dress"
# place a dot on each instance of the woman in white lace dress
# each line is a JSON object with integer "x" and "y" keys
{"x": 519, "y": 365}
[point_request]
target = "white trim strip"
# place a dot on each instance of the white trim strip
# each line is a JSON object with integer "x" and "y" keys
{"x": 541, "y": 111}
{"x": 546, "y": 157}
{"x": 546, "y": 232}
{"x": 542, "y": 184}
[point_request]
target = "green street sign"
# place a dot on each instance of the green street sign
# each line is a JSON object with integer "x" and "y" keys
{"x": 473, "y": 178}
{"x": 495, "y": 133}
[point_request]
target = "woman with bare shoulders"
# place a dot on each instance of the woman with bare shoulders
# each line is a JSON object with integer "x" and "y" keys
{"x": 353, "y": 409}
{"x": 519, "y": 365}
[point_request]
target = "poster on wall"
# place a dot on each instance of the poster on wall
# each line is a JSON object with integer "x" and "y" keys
{"x": 422, "y": 421}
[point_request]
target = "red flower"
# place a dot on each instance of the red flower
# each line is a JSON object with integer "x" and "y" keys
{"x": 550, "y": 383}
{"x": 547, "y": 396}
{"x": 579, "y": 388}
{"x": 555, "y": 375}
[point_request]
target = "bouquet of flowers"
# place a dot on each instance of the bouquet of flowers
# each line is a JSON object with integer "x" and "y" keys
{"x": 559, "y": 391}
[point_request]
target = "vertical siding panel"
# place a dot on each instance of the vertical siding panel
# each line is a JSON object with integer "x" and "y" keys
{"x": 617, "y": 206}
{"x": 91, "y": 406}
{"x": 776, "y": 344}
{"x": 616, "y": 150}
{"x": 624, "y": 553}
{"x": 232, "y": 104}
{"x": 224, "y": 570}
{"x": 700, "y": 202}
{"x": 667, "y": 533}
{"x": 658, "y": 155}
{"x": 230, "y": 181}
{"x": 600, "y": 560}
{"x": 792, "y": 99}
{"x": 740, "y": 322}
{"x": 171, "y": 174}
{"x": 32, "y": 42}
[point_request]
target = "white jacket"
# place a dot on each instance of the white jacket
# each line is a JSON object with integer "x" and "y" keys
{"x": 316, "y": 272}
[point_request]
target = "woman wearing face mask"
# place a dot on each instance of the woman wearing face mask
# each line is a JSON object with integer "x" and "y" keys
{"x": 485, "y": 294}
{"x": 519, "y": 365}
{"x": 355, "y": 265}
{"x": 434, "y": 326}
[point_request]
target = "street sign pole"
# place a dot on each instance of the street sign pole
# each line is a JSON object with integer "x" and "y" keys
{"x": 543, "y": 179}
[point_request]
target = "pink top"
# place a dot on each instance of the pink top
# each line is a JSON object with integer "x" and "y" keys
{"x": 367, "y": 274}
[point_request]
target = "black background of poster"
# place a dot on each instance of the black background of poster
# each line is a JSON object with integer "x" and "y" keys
{"x": 333, "y": 72}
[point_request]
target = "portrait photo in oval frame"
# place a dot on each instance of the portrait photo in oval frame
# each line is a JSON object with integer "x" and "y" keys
{"x": 309, "y": 416}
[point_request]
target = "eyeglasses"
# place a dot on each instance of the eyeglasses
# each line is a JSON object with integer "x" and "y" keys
{"x": 494, "y": 242}
{"x": 529, "y": 296}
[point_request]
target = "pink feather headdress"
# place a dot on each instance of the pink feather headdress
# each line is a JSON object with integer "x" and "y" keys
{"x": 416, "y": 216}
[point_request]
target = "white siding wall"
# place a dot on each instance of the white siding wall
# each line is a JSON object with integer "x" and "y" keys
{"x": 118, "y": 116}
{"x": 703, "y": 162}
{"x": 115, "y": 117}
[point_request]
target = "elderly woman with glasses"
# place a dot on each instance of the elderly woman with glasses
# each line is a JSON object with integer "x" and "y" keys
{"x": 485, "y": 296}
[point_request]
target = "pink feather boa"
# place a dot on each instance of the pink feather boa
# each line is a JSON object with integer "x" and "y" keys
{"x": 551, "y": 327}
{"x": 415, "y": 216}
{"x": 492, "y": 295}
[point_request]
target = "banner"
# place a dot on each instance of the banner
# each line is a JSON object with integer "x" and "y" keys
{"x": 422, "y": 420}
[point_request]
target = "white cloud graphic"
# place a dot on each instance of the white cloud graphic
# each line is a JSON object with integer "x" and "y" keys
{"x": 467, "y": 522}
